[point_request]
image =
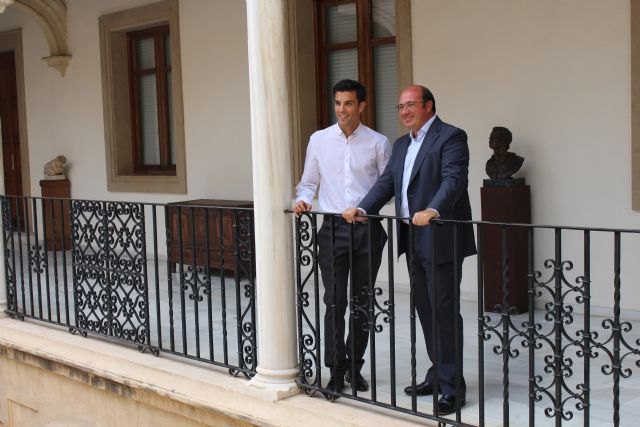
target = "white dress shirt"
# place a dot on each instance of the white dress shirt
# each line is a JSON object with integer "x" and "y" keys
{"x": 344, "y": 168}
{"x": 409, "y": 160}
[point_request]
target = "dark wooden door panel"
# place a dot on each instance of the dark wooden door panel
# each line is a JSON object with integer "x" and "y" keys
{"x": 10, "y": 132}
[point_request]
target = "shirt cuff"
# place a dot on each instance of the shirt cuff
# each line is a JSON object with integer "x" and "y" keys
{"x": 302, "y": 199}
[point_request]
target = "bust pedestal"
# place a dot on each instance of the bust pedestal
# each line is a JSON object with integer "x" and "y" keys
{"x": 56, "y": 214}
{"x": 508, "y": 204}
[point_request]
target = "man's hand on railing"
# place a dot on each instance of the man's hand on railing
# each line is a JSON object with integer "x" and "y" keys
{"x": 354, "y": 215}
{"x": 424, "y": 217}
{"x": 301, "y": 206}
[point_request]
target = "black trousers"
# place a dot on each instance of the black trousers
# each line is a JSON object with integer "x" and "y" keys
{"x": 437, "y": 294}
{"x": 334, "y": 244}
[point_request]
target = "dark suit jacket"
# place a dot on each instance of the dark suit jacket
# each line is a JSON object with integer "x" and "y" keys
{"x": 438, "y": 180}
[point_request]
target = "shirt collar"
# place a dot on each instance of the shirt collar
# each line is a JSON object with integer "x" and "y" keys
{"x": 354, "y": 133}
{"x": 423, "y": 130}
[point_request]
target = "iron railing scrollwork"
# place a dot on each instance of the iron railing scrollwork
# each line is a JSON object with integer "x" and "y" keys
{"x": 246, "y": 312}
{"x": 308, "y": 323}
{"x": 9, "y": 260}
{"x": 373, "y": 307}
{"x": 118, "y": 283}
{"x": 549, "y": 356}
{"x": 98, "y": 267}
{"x": 109, "y": 270}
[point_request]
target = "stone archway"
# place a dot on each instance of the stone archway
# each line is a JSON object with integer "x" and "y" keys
{"x": 51, "y": 16}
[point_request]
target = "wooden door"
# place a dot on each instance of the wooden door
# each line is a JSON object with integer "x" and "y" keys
{"x": 10, "y": 133}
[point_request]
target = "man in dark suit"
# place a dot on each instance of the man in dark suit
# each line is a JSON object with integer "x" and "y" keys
{"x": 428, "y": 175}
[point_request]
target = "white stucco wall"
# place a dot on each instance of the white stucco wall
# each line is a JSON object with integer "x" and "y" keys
{"x": 557, "y": 73}
{"x": 64, "y": 114}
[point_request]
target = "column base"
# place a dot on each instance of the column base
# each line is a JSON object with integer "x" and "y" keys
{"x": 275, "y": 385}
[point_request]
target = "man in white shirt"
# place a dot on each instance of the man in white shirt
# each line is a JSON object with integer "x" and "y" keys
{"x": 344, "y": 161}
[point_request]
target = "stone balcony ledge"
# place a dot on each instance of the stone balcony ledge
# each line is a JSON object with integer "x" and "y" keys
{"x": 50, "y": 377}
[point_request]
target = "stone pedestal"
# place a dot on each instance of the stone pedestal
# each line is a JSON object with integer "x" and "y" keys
{"x": 56, "y": 214}
{"x": 511, "y": 204}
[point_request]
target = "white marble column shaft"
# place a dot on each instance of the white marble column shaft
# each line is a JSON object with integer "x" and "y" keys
{"x": 271, "y": 152}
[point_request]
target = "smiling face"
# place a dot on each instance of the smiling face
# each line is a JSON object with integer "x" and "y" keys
{"x": 415, "y": 112}
{"x": 348, "y": 110}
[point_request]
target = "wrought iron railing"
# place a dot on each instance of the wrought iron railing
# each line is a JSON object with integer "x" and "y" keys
{"x": 567, "y": 358}
{"x": 175, "y": 278}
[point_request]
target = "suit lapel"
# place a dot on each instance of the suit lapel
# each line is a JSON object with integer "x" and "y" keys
{"x": 428, "y": 144}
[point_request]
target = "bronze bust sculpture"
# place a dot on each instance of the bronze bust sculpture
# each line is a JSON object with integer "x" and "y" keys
{"x": 503, "y": 164}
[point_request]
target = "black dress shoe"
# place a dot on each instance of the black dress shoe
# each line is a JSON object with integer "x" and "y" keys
{"x": 361, "y": 384}
{"x": 336, "y": 384}
{"x": 425, "y": 388}
{"x": 449, "y": 404}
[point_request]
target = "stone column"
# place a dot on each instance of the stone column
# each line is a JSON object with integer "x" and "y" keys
{"x": 271, "y": 152}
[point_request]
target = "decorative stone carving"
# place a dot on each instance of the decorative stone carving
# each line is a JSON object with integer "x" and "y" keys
{"x": 4, "y": 4}
{"x": 55, "y": 169}
{"x": 51, "y": 16}
{"x": 59, "y": 62}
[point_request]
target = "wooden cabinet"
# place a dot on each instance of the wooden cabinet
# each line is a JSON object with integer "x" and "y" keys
{"x": 56, "y": 214}
{"x": 217, "y": 233}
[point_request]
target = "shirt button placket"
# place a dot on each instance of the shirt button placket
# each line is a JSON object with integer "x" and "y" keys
{"x": 347, "y": 174}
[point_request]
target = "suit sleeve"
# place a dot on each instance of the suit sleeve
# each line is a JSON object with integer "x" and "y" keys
{"x": 454, "y": 173}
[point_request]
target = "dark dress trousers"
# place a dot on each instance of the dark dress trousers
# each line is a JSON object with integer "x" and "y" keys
{"x": 335, "y": 243}
{"x": 438, "y": 180}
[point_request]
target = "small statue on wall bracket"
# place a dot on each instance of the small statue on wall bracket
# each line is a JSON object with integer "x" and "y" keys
{"x": 55, "y": 169}
{"x": 503, "y": 164}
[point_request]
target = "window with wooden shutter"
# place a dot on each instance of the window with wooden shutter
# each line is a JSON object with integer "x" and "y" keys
{"x": 356, "y": 39}
{"x": 153, "y": 148}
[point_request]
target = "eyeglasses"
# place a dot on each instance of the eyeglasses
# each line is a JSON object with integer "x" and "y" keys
{"x": 409, "y": 105}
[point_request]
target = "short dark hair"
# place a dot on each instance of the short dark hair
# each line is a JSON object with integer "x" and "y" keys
{"x": 348, "y": 85}
{"x": 428, "y": 96}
